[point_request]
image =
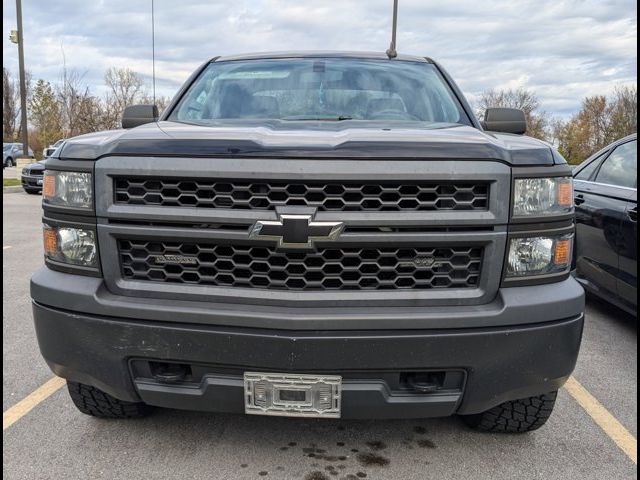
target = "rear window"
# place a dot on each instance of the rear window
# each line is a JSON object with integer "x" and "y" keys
{"x": 320, "y": 89}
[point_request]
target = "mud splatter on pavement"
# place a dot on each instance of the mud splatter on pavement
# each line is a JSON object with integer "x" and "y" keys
{"x": 372, "y": 459}
{"x": 316, "y": 476}
{"x": 426, "y": 443}
{"x": 376, "y": 445}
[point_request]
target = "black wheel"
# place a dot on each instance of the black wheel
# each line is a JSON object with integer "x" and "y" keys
{"x": 9, "y": 162}
{"x": 92, "y": 401}
{"x": 517, "y": 416}
{"x": 31, "y": 191}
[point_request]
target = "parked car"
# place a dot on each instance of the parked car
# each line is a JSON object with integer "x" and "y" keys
{"x": 10, "y": 152}
{"x": 606, "y": 199}
{"x": 32, "y": 177}
{"x": 312, "y": 235}
{"x": 47, "y": 152}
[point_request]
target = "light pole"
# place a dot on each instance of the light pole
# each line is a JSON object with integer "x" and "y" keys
{"x": 17, "y": 37}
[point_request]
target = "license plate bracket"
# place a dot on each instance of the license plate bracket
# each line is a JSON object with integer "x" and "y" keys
{"x": 292, "y": 395}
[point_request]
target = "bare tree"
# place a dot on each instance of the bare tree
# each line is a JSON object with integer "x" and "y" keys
{"x": 125, "y": 87}
{"x": 91, "y": 114}
{"x": 80, "y": 112}
{"x": 11, "y": 109}
{"x": 161, "y": 102}
{"x": 68, "y": 107}
{"x": 10, "y": 102}
{"x": 538, "y": 121}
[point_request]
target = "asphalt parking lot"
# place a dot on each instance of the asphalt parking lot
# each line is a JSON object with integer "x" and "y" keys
{"x": 54, "y": 441}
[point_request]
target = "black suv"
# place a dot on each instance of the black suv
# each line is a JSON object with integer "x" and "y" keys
{"x": 312, "y": 235}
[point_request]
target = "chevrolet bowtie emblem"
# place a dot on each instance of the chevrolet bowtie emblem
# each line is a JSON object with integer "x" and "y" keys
{"x": 296, "y": 231}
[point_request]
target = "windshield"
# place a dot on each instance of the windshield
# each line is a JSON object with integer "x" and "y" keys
{"x": 6, "y": 148}
{"x": 331, "y": 89}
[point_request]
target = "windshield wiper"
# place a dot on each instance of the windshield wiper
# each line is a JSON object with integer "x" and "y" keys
{"x": 328, "y": 118}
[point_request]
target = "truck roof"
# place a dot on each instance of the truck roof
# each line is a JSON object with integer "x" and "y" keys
{"x": 317, "y": 54}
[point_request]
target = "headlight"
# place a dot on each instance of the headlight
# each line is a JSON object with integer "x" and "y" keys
{"x": 75, "y": 246}
{"x": 68, "y": 189}
{"x": 537, "y": 197}
{"x": 539, "y": 255}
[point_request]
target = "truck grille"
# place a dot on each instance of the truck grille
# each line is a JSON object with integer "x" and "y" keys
{"x": 262, "y": 267}
{"x": 344, "y": 196}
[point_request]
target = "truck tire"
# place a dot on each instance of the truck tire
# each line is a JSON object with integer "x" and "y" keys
{"x": 92, "y": 401}
{"x": 517, "y": 416}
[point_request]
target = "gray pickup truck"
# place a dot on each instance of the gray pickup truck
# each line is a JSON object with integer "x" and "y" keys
{"x": 312, "y": 235}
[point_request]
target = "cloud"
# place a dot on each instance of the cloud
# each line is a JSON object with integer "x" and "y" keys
{"x": 563, "y": 50}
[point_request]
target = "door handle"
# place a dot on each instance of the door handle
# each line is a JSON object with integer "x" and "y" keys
{"x": 633, "y": 214}
{"x": 579, "y": 200}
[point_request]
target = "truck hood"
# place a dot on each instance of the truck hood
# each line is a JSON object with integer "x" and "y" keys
{"x": 346, "y": 139}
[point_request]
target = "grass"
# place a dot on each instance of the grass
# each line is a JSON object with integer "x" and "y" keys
{"x": 11, "y": 182}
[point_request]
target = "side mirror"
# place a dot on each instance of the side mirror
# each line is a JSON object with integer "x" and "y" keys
{"x": 505, "y": 120}
{"x": 136, "y": 115}
{"x": 49, "y": 151}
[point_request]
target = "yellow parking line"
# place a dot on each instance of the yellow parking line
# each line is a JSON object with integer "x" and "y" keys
{"x": 607, "y": 422}
{"x": 24, "y": 406}
{"x": 8, "y": 246}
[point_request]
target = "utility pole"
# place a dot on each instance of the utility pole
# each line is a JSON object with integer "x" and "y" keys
{"x": 19, "y": 39}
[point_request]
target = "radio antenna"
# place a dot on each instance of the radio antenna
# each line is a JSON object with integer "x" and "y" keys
{"x": 153, "y": 52}
{"x": 391, "y": 52}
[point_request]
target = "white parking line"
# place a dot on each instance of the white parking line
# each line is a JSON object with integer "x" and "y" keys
{"x": 6, "y": 247}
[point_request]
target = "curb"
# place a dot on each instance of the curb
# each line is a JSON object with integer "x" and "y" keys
{"x": 14, "y": 189}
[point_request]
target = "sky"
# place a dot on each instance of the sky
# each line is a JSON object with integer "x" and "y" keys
{"x": 561, "y": 50}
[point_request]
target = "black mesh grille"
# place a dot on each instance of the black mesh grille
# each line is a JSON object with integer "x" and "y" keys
{"x": 355, "y": 196}
{"x": 327, "y": 269}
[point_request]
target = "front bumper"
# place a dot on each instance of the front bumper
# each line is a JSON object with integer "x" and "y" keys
{"x": 530, "y": 349}
{"x": 32, "y": 182}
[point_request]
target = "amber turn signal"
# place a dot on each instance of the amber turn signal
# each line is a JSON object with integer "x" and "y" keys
{"x": 565, "y": 194}
{"x": 562, "y": 255}
{"x": 50, "y": 242}
{"x": 49, "y": 187}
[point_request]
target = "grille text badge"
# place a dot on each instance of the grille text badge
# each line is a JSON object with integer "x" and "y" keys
{"x": 179, "y": 259}
{"x": 421, "y": 261}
